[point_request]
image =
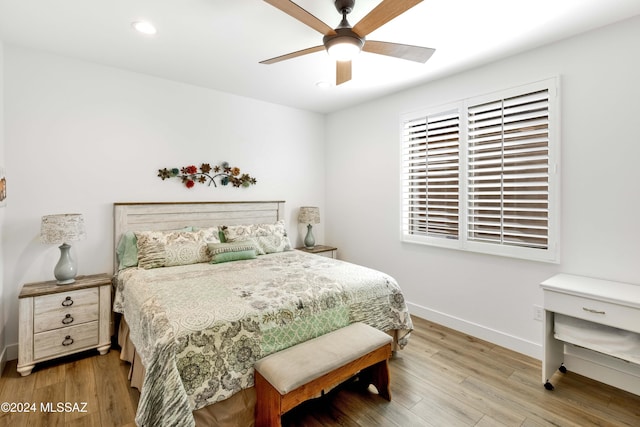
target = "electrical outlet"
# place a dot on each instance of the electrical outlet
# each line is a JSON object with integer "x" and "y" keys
{"x": 538, "y": 312}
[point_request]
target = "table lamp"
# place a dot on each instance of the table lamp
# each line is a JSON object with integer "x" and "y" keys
{"x": 309, "y": 215}
{"x": 63, "y": 228}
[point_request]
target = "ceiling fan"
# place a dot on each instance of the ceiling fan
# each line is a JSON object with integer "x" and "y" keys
{"x": 344, "y": 42}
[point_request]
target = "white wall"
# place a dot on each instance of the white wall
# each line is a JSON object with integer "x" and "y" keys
{"x": 3, "y": 318}
{"x": 81, "y": 136}
{"x": 487, "y": 296}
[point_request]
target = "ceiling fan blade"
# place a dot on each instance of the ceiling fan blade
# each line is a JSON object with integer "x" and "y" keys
{"x": 402, "y": 51}
{"x": 293, "y": 55}
{"x": 292, "y": 9}
{"x": 343, "y": 72}
{"x": 381, "y": 14}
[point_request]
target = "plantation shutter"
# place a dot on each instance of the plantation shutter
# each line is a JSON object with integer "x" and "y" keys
{"x": 508, "y": 171}
{"x": 431, "y": 175}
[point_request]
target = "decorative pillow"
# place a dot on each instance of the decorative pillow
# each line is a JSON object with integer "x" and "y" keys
{"x": 272, "y": 244}
{"x": 169, "y": 248}
{"x": 232, "y": 251}
{"x": 127, "y": 250}
{"x": 210, "y": 234}
{"x": 233, "y": 256}
{"x": 220, "y": 248}
{"x": 269, "y": 238}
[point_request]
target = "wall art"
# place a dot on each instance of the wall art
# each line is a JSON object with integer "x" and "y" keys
{"x": 207, "y": 174}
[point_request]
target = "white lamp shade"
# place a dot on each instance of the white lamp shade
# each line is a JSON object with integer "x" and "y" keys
{"x": 62, "y": 228}
{"x": 309, "y": 215}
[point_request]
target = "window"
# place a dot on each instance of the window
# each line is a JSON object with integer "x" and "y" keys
{"x": 481, "y": 174}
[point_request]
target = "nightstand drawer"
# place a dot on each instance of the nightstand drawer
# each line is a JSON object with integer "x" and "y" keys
{"x": 63, "y": 317}
{"x": 63, "y": 341}
{"x": 602, "y": 312}
{"x": 65, "y": 300}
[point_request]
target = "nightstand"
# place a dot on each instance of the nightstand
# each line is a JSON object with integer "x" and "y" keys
{"x": 57, "y": 320}
{"x": 322, "y": 250}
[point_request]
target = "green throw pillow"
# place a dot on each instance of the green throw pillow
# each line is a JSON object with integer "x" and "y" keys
{"x": 233, "y": 256}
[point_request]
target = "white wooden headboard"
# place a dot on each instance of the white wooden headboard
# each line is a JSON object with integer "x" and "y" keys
{"x": 175, "y": 215}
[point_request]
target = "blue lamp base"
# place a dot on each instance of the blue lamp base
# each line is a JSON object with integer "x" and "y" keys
{"x": 65, "y": 272}
{"x": 309, "y": 240}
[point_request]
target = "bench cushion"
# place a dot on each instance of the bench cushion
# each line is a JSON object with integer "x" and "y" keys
{"x": 290, "y": 368}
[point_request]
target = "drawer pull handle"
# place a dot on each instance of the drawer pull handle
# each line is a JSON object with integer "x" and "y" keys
{"x": 67, "y": 302}
{"x": 67, "y": 340}
{"x": 591, "y": 310}
{"x": 67, "y": 319}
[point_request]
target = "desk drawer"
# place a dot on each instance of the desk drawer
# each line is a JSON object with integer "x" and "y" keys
{"x": 606, "y": 313}
{"x": 65, "y": 341}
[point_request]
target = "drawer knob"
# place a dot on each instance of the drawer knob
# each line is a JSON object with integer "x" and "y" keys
{"x": 67, "y": 302}
{"x": 67, "y": 340}
{"x": 67, "y": 319}
{"x": 591, "y": 310}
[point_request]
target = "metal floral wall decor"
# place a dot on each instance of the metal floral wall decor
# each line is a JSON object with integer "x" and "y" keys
{"x": 207, "y": 174}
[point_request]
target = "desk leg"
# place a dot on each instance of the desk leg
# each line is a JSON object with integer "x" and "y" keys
{"x": 553, "y": 350}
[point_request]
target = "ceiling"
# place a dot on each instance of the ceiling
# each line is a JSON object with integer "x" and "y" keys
{"x": 218, "y": 44}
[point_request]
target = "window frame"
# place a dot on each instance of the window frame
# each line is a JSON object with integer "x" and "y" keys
{"x": 462, "y": 242}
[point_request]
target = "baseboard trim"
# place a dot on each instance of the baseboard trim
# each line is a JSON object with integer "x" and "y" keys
{"x": 511, "y": 342}
{"x": 11, "y": 352}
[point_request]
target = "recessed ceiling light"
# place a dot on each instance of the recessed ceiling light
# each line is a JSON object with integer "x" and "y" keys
{"x": 323, "y": 84}
{"x": 144, "y": 27}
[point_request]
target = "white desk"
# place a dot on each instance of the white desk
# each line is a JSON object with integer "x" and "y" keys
{"x": 599, "y": 301}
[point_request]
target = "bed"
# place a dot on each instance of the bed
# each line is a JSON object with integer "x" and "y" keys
{"x": 193, "y": 320}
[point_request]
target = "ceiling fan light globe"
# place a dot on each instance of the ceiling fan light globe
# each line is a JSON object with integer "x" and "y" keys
{"x": 344, "y": 45}
{"x": 343, "y": 51}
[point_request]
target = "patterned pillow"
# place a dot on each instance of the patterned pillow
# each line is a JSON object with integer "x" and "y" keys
{"x": 272, "y": 244}
{"x": 210, "y": 234}
{"x": 269, "y": 238}
{"x": 169, "y": 248}
{"x": 127, "y": 250}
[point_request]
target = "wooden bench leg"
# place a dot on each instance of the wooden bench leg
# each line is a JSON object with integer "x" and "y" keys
{"x": 378, "y": 375}
{"x": 268, "y": 405}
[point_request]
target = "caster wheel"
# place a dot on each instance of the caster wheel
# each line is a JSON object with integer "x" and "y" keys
{"x": 562, "y": 369}
{"x": 548, "y": 385}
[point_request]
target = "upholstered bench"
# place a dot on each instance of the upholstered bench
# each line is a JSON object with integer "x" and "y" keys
{"x": 289, "y": 377}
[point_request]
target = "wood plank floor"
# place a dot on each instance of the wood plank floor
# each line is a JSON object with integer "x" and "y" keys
{"x": 442, "y": 378}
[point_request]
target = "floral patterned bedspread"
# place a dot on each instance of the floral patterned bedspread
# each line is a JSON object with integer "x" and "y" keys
{"x": 199, "y": 328}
